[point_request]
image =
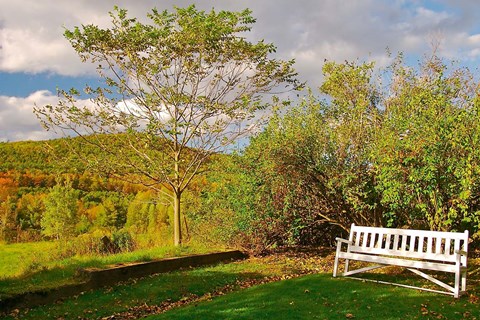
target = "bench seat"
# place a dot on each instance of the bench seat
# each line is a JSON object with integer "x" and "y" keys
{"x": 411, "y": 249}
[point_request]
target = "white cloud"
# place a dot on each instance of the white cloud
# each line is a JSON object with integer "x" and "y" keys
{"x": 426, "y": 18}
{"x": 18, "y": 121}
{"x": 26, "y": 50}
{"x": 474, "y": 40}
{"x": 130, "y": 107}
{"x": 31, "y": 32}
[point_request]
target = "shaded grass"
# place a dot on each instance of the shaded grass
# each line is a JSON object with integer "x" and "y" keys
{"x": 309, "y": 297}
{"x": 31, "y": 267}
{"x": 323, "y": 297}
{"x": 151, "y": 290}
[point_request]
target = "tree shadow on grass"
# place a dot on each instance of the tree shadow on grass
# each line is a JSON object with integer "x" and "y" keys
{"x": 43, "y": 280}
{"x": 150, "y": 291}
{"x": 309, "y": 297}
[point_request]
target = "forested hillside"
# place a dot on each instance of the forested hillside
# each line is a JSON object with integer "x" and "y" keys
{"x": 25, "y": 156}
{"x": 43, "y": 183}
{"x": 400, "y": 156}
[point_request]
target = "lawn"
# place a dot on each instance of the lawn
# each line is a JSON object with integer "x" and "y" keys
{"x": 287, "y": 285}
{"x": 27, "y": 267}
{"x": 20, "y": 258}
{"x": 161, "y": 290}
{"x": 322, "y": 297}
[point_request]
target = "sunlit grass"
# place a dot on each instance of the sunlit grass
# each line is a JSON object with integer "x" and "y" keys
{"x": 36, "y": 266}
{"x": 317, "y": 296}
{"x": 19, "y": 258}
{"x": 323, "y": 297}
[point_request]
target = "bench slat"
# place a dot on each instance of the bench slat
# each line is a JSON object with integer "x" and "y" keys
{"x": 448, "y": 243}
{"x": 426, "y": 233}
{"x": 412, "y": 243}
{"x": 438, "y": 244}
{"x": 399, "y": 262}
{"x": 395, "y": 241}
{"x": 365, "y": 239}
{"x": 404, "y": 254}
{"x": 357, "y": 239}
{"x": 404, "y": 243}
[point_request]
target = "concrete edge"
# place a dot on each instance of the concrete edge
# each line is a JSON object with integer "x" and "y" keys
{"x": 98, "y": 278}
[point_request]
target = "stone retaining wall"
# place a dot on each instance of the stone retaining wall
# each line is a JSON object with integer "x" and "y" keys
{"x": 97, "y": 278}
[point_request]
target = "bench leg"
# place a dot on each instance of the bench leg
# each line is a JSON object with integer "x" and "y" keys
{"x": 456, "y": 293}
{"x": 464, "y": 280}
{"x": 335, "y": 266}
{"x": 347, "y": 263}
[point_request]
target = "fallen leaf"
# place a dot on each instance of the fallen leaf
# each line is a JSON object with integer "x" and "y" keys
{"x": 473, "y": 299}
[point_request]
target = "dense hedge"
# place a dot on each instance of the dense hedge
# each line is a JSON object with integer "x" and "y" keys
{"x": 402, "y": 154}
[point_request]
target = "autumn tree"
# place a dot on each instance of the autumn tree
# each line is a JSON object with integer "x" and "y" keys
{"x": 30, "y": 208}
{"x": 146, "y": 213}
{"x": 176, "y": 90}
{"x": 7, "y": 219}
{"x": 60, "y": 217}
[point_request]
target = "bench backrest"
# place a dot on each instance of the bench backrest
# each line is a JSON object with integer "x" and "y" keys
{"x": 419, "y": 244}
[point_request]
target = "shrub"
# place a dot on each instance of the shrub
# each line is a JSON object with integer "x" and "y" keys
{"x": 99, "y": 242}
{"x": 88, "y": 243}
{"x": 122, "y": 241}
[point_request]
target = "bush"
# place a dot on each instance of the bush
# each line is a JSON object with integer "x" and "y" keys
{"x": 122, "y": 241}
{"x": 98, "y": 242}
{"x": 88, "y": 243}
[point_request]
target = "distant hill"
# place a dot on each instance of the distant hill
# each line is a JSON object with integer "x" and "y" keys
{"x": 35, "y": 166}
{"x": 51, "y": 156}
{"x": 33, "y": 156}
{"x": 42, "y": 161}
{"x": 25, "y": 155}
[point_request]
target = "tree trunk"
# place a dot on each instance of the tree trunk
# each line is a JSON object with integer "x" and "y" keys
{"x": 177, "y": 230}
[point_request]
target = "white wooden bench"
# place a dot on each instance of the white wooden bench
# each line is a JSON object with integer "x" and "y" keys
{"x": 412, "y": 249}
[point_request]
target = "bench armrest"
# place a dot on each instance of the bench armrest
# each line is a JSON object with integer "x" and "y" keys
{"x": 343, "y": 240}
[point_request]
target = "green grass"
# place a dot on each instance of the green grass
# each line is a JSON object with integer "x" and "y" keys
{"x": 198, "y": 294}
{"x": 17, "y": 259}
{"x": 31, "y": 267}
{"x": 151, "y": 290}
{"x": 323, "y": 297}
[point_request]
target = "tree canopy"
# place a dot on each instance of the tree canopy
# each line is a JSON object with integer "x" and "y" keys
{"x": 393, "y": 147}
{"x": 179, "y": 88}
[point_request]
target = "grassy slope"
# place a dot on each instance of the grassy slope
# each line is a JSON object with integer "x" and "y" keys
{"x": 33, "y": 266}
{"x": 15, "y": 259}
{"x": 154, "y": 290}
{"x": 313, "y": 296}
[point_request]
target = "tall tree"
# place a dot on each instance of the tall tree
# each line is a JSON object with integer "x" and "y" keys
{"x": 179, "y": 88}
{"x": 60, "y": 212}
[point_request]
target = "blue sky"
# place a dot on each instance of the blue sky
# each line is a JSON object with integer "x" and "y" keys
{"x": 35, "y": 59}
